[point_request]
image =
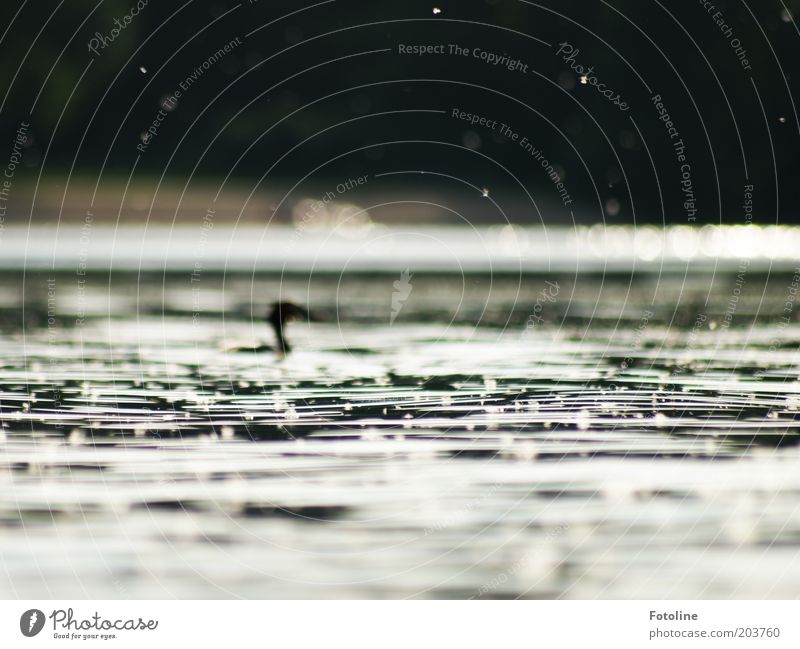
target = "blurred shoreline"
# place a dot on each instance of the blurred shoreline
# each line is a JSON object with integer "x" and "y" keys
{"x": 374, "y": 247}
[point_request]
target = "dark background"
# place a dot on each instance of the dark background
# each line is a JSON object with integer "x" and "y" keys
{"x": 299, "y": 106}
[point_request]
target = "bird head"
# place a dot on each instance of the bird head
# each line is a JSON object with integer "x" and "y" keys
{"x": 282, "y": 312}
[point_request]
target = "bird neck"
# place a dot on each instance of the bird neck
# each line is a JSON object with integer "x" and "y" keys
{"x": 282, "y": 345}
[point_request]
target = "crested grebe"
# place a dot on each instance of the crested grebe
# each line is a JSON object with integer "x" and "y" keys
{"x": 279, "y": 315}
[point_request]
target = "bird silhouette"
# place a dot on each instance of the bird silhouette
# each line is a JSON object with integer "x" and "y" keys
{"x": 279, "y": 315}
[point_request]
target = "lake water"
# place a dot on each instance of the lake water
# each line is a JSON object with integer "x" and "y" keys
{"x": 516, "y": 434}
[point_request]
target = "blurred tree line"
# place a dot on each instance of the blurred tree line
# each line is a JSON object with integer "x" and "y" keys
{"x": 323, "y": 93}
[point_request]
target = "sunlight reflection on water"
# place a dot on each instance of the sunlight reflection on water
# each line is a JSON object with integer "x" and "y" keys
{"x": 454, "y": 453}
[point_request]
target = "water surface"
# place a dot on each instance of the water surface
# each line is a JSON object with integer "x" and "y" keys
{"x": 636, "y": 438}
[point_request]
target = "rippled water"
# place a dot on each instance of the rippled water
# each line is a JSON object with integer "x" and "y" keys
{"x": 637, "y": 441}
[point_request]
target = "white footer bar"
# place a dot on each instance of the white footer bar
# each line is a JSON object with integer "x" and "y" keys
{"x": 400, "y": 624}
